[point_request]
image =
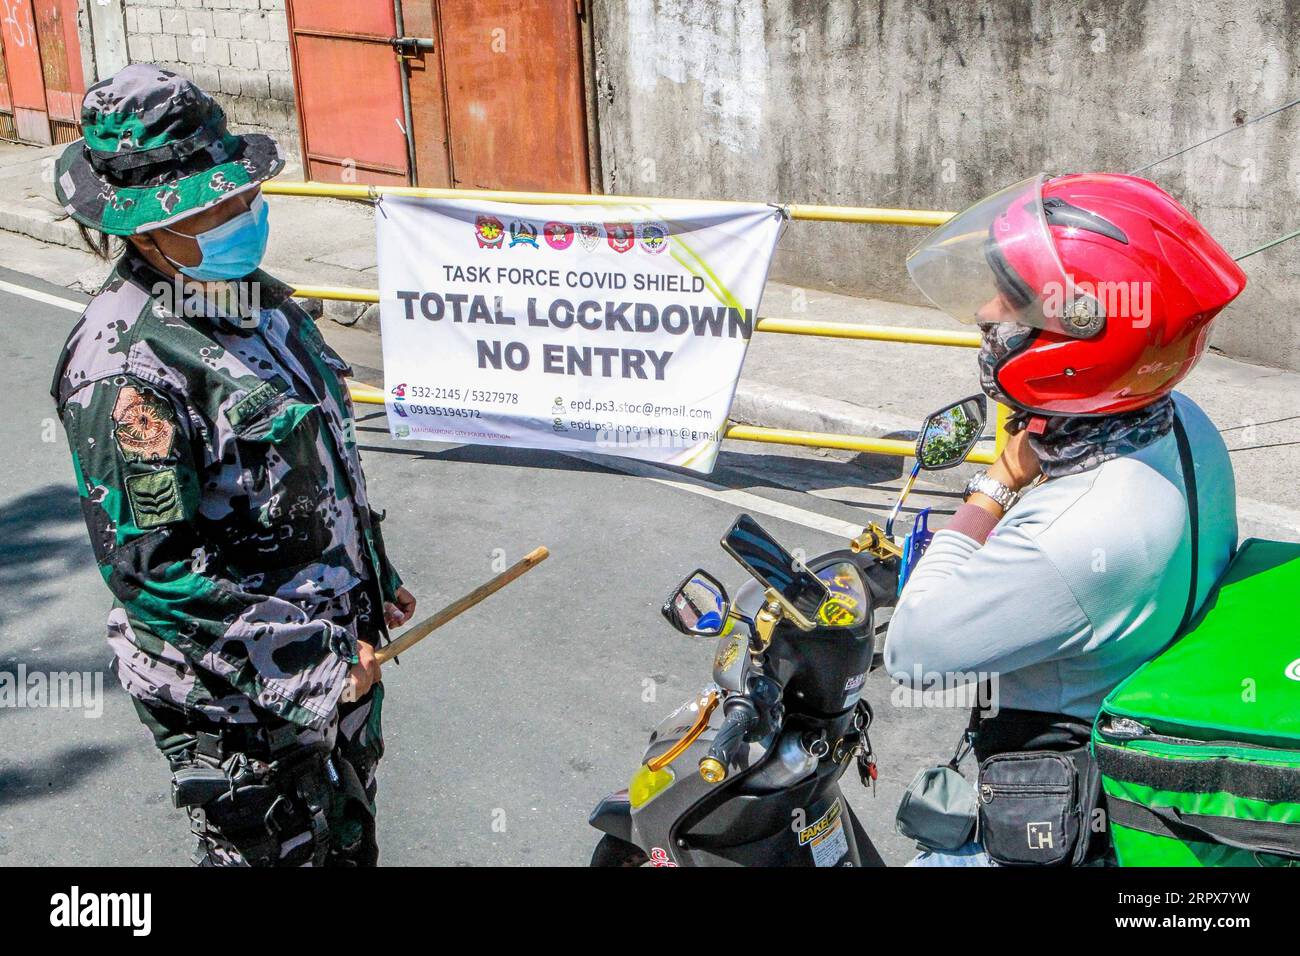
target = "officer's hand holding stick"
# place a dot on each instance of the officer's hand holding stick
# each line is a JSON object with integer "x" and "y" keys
{"x": 418, "y": 632}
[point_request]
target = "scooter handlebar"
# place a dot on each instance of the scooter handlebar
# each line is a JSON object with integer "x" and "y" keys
{"x": 741, "y": 716}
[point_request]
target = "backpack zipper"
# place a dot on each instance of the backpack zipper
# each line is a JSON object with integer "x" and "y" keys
{"x": 989, "y": 791}
{"x": 1125, "y": 728}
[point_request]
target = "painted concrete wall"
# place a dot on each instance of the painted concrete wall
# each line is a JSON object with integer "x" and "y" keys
{"x": 237, "y": 50}
{"x": 928, "y": 104}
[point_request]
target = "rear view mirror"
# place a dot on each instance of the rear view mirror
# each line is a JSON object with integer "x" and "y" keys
{"x": 699, "y": 607}
{"x": 949, "y": 434}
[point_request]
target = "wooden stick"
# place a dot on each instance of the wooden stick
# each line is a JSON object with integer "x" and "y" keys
{"x": 418, "y": 632}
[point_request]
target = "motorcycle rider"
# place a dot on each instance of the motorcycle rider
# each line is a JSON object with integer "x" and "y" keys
{"x": 1069, "y": 563}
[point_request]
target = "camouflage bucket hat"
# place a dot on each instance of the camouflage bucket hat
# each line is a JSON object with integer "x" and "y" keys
{"x": 155, "y": 150}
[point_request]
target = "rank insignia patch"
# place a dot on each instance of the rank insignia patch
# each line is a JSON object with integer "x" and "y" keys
{"x": 145, "y": 428}
{"x": 155, "y": 498}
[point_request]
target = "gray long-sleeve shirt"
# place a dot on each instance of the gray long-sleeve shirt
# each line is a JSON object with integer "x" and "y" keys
{"x": 1082, "y": 581}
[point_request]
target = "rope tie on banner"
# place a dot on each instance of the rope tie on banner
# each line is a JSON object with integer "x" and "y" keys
{"x": 1209, "y": 139}
{"x": 1268, "y": 245}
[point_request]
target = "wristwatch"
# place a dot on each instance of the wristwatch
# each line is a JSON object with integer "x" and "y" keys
{"x": 992, "y": 488}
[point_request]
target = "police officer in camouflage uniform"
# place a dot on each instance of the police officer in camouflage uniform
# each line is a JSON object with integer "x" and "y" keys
{"x": 216, "y": 460}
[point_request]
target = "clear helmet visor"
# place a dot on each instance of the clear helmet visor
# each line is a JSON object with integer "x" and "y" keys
{"x": 996, "y": 262}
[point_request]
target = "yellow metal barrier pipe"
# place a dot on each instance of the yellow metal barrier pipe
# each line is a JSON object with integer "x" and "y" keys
{"x": 875, "y": 333}
{"x": 1000, "y": 427}
{"x": 364, "y": 394}
{"x": 336, "y": 293}
{"x": 861, "y": 214}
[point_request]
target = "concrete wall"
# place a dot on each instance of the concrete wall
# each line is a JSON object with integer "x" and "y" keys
{"x": 237, "y": 50}
{"x": 932, "y": 104}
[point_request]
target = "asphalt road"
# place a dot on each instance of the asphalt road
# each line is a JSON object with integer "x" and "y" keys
{"x": 505, "y": 728}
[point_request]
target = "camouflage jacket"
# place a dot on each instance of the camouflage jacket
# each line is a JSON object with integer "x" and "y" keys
{"x": 217, "y": 465}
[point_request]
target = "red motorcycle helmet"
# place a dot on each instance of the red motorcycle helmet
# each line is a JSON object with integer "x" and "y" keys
{"x": 1116, "y": 283}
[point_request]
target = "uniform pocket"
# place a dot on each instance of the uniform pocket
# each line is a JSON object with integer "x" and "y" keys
{"x": 283, "y": 518}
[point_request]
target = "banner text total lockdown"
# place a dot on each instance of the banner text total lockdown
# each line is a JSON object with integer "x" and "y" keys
{"x": 643, "y": 317}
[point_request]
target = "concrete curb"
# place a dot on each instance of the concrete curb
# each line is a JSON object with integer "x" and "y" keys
{"x": 39, "y": 225}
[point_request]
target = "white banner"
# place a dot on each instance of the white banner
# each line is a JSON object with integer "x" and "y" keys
{"x": 619, "y": 330}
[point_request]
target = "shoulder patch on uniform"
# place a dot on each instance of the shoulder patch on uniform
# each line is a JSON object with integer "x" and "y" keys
{"x": 145, "y": 426}
{"x": 256, "y": 400}
{"x": 155, "y": 498}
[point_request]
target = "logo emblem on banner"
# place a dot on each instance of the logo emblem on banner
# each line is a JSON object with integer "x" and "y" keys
{"x": 559, "y": 235}
{"x": 489, "y": 232}
{"x": 523, "y": 233}
{"x": 621, "y": 236}
{"x": 589, "y": 235}
{"x": 653, "y": 236}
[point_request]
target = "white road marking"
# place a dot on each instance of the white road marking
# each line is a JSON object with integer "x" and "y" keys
{"x": 640, "y": 469}
{"x": 739, "y": 499}
{"x": 58, "y": 301}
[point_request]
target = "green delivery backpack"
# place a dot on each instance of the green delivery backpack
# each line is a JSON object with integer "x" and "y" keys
{"x": 1199, "y": 749}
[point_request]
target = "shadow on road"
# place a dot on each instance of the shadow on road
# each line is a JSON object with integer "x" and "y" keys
{"x": 54, "y": 774}
{"x": 42, "y": 541}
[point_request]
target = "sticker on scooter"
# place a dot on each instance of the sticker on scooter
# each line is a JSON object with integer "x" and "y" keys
{"x": 853, "y": 689}
{"x": 728, "y": 653}
{"x": 659, "y": 857}
{"x": 825, "y": 837}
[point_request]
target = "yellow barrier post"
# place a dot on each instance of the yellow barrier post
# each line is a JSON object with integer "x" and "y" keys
{"x": 1000, "y": 428}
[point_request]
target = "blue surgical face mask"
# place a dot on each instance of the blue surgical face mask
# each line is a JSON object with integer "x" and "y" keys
{"x": 233, "y": 249}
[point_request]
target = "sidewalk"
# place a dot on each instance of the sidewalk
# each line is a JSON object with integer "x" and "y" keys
{"x": 789, "y": 381}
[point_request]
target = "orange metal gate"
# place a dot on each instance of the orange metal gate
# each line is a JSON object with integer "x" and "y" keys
{"x": 41, "y": 82}
{"x": 516, "y": 98}
{"x": 494, "y": 92}
{"x": 348, "y": 90}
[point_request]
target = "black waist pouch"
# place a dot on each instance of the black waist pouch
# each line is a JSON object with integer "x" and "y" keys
{"x": 1039, "y": 790}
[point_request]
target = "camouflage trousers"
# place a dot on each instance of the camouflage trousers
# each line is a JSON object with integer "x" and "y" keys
{"x": 271, "y": 794}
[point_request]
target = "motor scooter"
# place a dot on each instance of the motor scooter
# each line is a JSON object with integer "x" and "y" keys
{"x": 748, "y": 772}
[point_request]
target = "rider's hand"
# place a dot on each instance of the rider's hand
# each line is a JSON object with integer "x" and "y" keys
{"x": 398, "y": 613}
{"x": 364, "y": 674}
{"x": 1018, "y": 467}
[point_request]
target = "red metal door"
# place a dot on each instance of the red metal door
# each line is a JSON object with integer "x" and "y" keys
{"x": 7, "y": 130}
{"x": 349, "y": 91}
{"x": 56, "y": 32}
{"x": 23, "y": 65}
{"x": 516, "y": 102}
{"x": 41, "y": 83}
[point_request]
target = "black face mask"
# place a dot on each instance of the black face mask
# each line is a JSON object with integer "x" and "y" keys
{"x": 1001, "y": 339}
{"x": 1069, "y": 445}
